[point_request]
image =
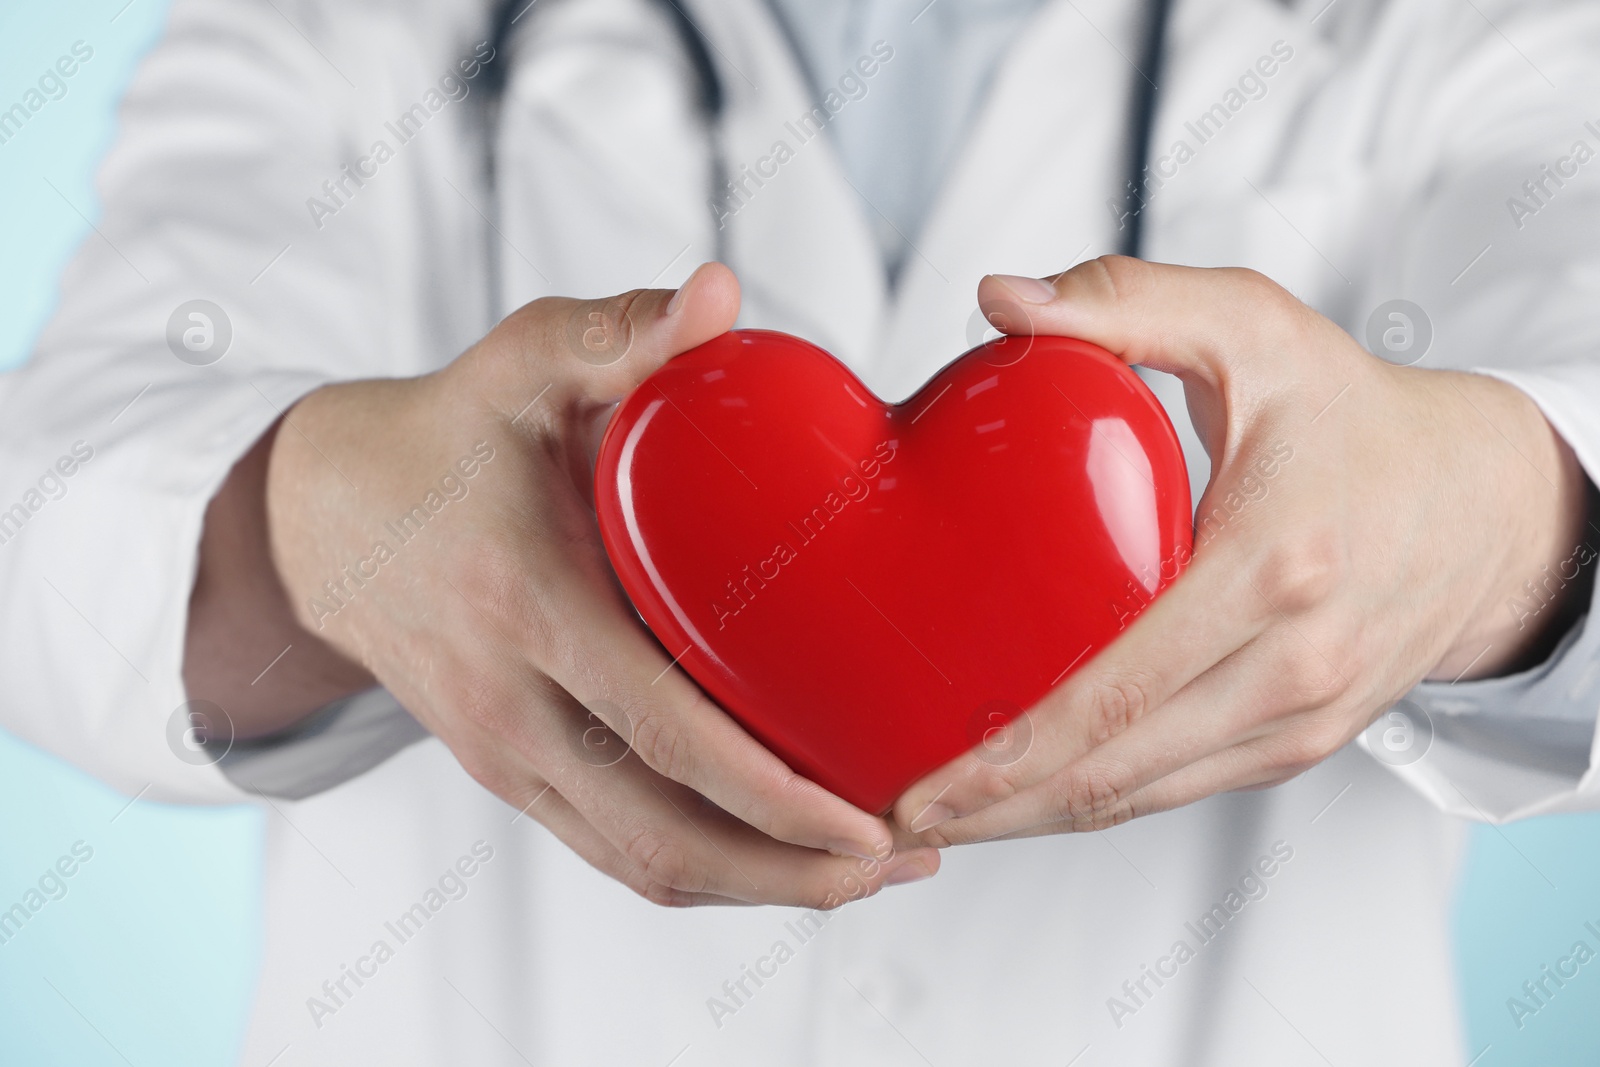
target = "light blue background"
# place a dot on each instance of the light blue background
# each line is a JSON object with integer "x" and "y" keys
{"x": 150, "y": 957}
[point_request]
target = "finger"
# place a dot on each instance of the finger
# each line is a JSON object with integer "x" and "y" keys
{"x": 596, "y": 650}
{"x": 676, "y": 839}
{"x": 599, "y": 350}
{"x": 666, "y": 843}
{"x": 1260, "y": 691}
{"x": 1251, "y": 765}
{"x": 553, "y": 811}
{"x": 507, "y": 774}
{"x": 1183, "y": 320}
{"x": 1160, "y": 653}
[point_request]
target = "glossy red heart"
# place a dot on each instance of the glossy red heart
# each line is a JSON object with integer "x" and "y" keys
{"x": 873, "y": 589}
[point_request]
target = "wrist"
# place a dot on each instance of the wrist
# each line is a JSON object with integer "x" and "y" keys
{"x": 1542, "y": 504}
{"x": 244, "y": 649}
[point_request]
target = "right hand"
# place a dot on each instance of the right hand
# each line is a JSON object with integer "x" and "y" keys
{"x": 502, "y": 628}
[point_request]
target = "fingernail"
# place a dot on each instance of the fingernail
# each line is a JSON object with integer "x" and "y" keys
{"x": 929, "y": 817}
{"x": 677, "y": 298}
{"x": 854, "y": 849}
{"x": 908, "y": 872}
{"x": 676, "y": 302}
{"x": 1028, "y": 290}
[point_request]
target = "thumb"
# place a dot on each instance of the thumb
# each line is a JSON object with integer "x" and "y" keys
{"x": 1197, "y": 323}
{"x": 620, "y": 341}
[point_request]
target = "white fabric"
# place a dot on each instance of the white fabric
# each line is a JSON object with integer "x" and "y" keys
{"x": 896, "y": 150}
{"x": 1376, "y": 165}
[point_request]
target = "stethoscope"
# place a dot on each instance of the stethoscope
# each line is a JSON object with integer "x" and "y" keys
{"x": 711, "y": 98}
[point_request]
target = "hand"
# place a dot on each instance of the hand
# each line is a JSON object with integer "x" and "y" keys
{"x": 439, "y": 532}
{"x": 1364, "y": 529}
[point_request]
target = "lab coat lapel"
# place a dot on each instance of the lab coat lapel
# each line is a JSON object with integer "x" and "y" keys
{"x": 1024, "y": 195}
{"x": 1030, "y": 191}
{"x": 1248, "y": 193}
{"x": 794, "y": 229}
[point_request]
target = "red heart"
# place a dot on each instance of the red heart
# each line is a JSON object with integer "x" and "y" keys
{"x": 873, "y": 589}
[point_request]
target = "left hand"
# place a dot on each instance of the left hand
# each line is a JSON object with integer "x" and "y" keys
{"x": 1365, "y": 528}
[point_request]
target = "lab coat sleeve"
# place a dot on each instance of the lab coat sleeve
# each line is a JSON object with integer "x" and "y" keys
{"x": 111, "y": 445}
{"x": 1501, "y": 255}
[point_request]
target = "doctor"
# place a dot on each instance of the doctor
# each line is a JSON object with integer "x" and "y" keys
{"x": 312, "y": 209}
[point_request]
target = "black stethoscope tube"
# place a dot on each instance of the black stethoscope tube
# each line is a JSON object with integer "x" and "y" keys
{"x": 1142, "y": 122}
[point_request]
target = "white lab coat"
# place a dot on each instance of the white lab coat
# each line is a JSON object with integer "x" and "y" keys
{"x": 1377, "y": 165}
